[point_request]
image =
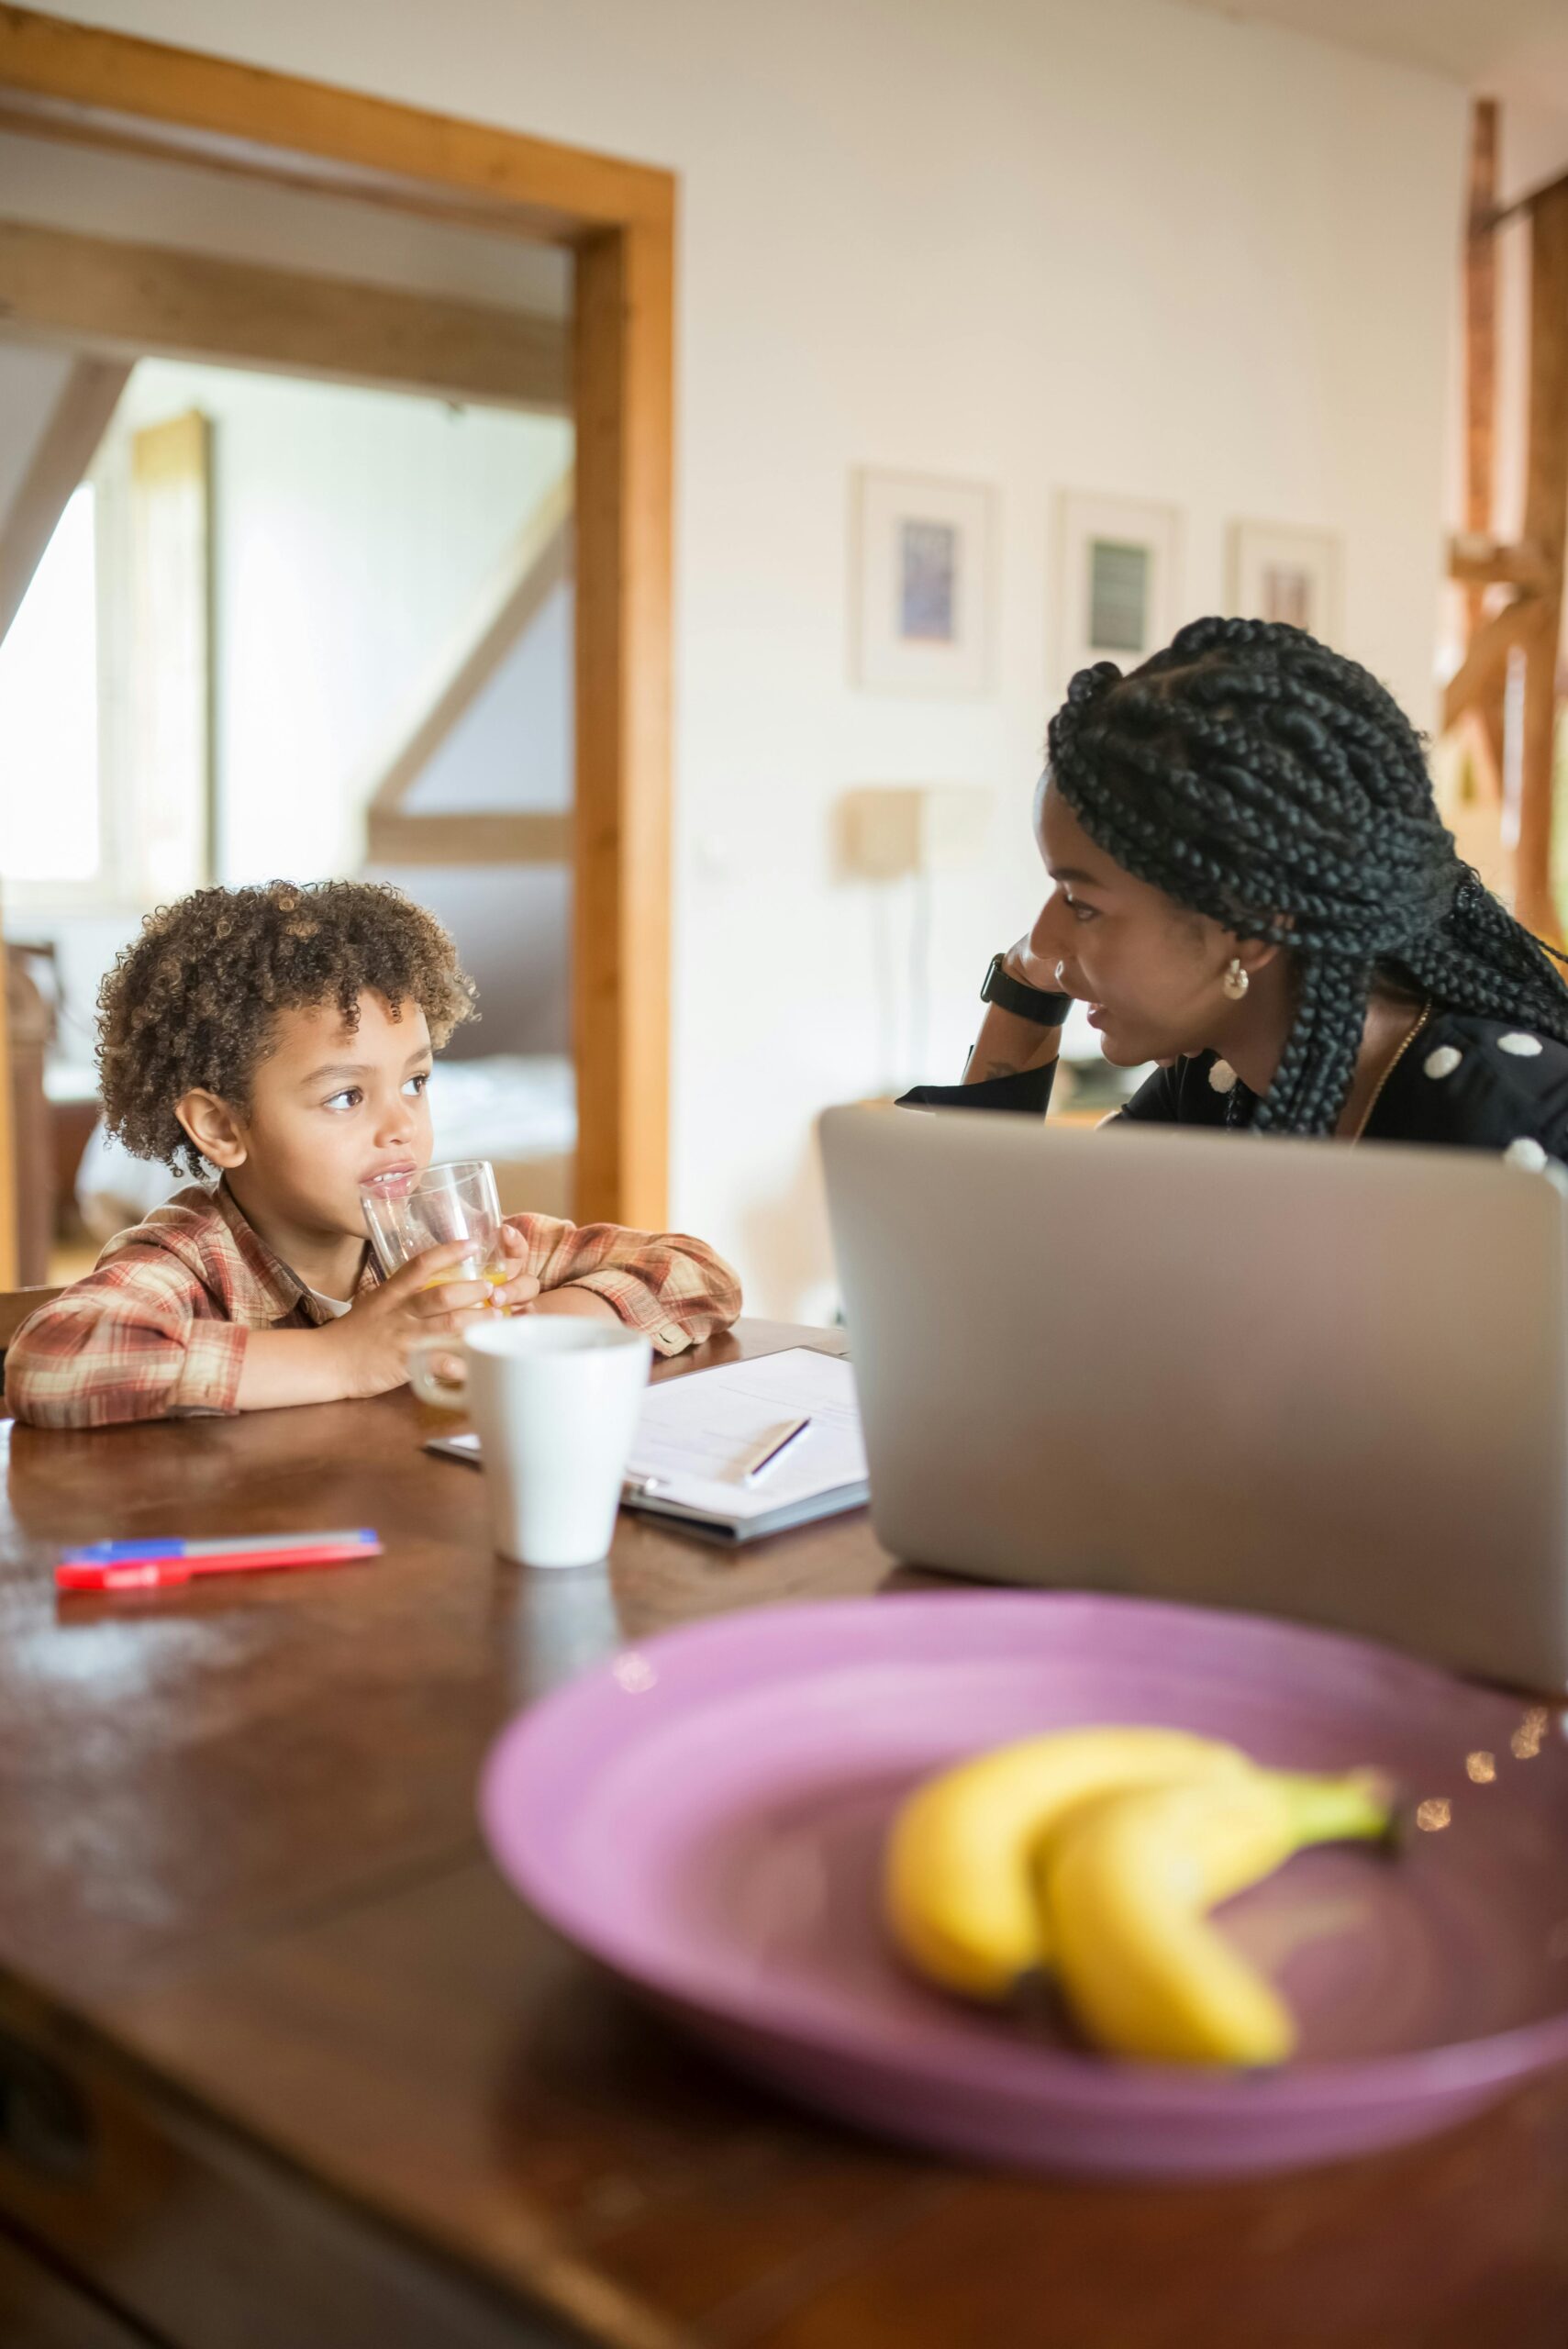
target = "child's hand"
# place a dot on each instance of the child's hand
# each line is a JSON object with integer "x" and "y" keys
{"x": 373, "y": 1340}
{"x": 519, "y": 1288}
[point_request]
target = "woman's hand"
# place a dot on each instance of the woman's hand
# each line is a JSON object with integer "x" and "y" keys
{"x": 1007, "y": 1045}
{"x": 1029, "y": 963}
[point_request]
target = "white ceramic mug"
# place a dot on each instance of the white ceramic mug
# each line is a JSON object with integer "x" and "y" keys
{"x": 555, "y": 1404}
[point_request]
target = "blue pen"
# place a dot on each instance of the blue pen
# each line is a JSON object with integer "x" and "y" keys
{"x": 156, "y": 1565}
{"x": 172, "y": 1545}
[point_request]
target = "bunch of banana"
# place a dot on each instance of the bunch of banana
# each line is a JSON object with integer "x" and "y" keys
{"x": 1100, "y": 1852}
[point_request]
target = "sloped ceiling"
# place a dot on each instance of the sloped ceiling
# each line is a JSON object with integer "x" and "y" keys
{"x": 1509, "y": 48}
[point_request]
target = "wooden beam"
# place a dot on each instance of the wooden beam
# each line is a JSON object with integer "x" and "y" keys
{"x": 1546, "y": 465}
{"x": 66, "y": 448}
{"x": 1469, "y": 785}
{"x": 273, "y": 122}
{"x": 1519, "y": 205}
{"x": 291, "y": 171}
{"x": 1481, "y": 672}
{"x": 1477, "y": 747}
{"x": 1534, "y": 896}
{"x": 624, "y": 373}
{"x": 1545, "y": 525}
{"x": 1480, "y": 337}
{"x": 539, "y": 563}
{"x": 526, "y": 837}
{"x": 56, "y": 286}
{"x": 1477, "y": 559}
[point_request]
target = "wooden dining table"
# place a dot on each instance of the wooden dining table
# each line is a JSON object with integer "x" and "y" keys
{"x": 286, "y": 2064}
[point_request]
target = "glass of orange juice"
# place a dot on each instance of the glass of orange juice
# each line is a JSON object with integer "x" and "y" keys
{"x": 405, "y": 1214}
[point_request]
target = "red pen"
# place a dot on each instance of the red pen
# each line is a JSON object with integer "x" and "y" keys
{"x": 161, "y": 1563}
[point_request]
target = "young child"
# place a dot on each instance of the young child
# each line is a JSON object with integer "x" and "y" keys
{"x": 282, "y": 1036}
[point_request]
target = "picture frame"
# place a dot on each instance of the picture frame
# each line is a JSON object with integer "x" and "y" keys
{"x": 1118, "y": 579}
{"x": 1279, "y": 572}
{"x": 923, "y": 591}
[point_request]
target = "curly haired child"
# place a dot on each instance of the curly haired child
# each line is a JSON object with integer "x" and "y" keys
{"x": 282, "y": 1039}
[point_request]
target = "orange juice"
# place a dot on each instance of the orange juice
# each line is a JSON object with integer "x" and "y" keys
{"x": 497, "y": 1275}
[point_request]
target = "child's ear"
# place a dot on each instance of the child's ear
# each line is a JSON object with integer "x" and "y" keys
{"x": 214, "y": 1128}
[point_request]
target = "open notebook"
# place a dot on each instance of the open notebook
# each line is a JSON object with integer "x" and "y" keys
{"x": 696, "y": 1434}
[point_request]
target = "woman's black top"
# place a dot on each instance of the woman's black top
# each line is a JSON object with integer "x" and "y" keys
{"x": 1470, "y": 1084}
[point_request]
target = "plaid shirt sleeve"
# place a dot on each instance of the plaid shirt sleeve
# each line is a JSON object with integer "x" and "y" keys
{"x": 674, "y": 1289}
{"x": 143, "y": 1337}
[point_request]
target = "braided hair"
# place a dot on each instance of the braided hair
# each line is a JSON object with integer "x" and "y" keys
{"x": 1259, "y": 778}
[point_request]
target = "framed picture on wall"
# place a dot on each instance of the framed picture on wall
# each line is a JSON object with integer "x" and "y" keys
{"x": 1278, "y": 572}
{"x": 921, "y": 583}
{"x": 1118, "y": 580}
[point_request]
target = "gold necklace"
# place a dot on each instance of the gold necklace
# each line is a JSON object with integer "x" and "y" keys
{"x": 1405, "y": 1043}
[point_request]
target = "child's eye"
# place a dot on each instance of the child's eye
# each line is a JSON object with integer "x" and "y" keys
{"x": 350, "y": 1098}
{"x": 417, "y": 1084}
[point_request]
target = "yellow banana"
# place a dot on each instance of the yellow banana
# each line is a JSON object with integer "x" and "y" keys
{"x": 958, "y": 1890}
{"x": 1126, "y": 1887}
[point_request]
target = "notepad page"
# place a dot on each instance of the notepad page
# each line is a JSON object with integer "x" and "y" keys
{"x": 698, "y": 1433}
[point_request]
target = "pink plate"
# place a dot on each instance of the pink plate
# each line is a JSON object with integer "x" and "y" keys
{"x": 704, "y": 1816}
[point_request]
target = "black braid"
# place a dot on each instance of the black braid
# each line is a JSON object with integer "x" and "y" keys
{"x": 1257, "y": 777}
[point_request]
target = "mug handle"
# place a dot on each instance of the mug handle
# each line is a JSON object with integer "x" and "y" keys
{"x": 440, "y": 1393}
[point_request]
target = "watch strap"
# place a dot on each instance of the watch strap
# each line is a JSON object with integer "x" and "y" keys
{"x": 1000, "y": 987}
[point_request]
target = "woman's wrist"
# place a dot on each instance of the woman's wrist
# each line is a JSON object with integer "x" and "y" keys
{"x": 1007, "y": 1047}
{"x": 1013, "y": 1037}
{"x": 1025, "y": 969}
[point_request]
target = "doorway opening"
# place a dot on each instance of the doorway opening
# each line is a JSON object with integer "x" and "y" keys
{"x": 160, "y": 208}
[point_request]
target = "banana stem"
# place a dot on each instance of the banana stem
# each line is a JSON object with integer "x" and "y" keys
{"x": 1356, "y": 1808}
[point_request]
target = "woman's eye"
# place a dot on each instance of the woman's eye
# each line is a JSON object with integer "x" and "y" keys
{"x": 350, "y": 1098}
{"x": 1081, "y": 912}
{"x": 415, "y": 1084}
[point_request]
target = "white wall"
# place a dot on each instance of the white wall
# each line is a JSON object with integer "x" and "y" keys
{"x": 1106, "y": 244}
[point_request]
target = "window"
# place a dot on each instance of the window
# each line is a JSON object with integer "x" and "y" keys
{"x": 105, "y": 703}
{"x": 50, "y": 827}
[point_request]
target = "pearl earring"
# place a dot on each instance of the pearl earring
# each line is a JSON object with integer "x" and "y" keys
{"x": 1236, "y": 980}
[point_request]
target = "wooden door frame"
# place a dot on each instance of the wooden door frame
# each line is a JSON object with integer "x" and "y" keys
{"x": 69, "y": 81}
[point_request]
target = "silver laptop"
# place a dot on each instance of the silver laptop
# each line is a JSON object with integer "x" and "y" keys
{"x": 1286, "y": 1376}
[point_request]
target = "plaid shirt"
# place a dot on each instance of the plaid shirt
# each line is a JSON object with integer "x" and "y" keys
{"x": 158, "y": 1328}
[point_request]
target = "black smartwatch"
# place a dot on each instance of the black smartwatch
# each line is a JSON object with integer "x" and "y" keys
{"x": 1024, "y": 1002}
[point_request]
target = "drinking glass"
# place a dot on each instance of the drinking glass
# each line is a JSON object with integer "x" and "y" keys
{"x": 405, "y": 1214}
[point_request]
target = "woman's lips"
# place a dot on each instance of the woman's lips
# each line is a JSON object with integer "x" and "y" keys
{"x": 1097, "y": 1015}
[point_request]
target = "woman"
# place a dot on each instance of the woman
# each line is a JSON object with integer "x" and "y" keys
{"x": 1253, "y": 889}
